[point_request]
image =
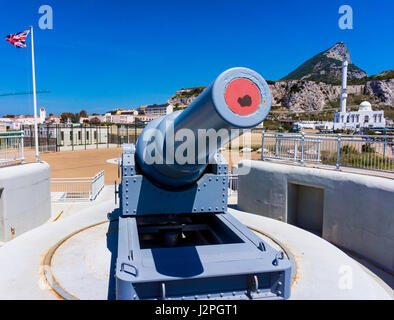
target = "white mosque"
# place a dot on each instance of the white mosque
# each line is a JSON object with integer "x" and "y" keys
{"x": 365, "y": 117}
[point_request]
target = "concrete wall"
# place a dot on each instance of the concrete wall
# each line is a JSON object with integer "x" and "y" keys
{"x": 352, "y": 211}
{"x": 25, "y": 198}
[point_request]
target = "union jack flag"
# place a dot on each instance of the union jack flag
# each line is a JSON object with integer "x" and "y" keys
{"x": 18, "y": 39}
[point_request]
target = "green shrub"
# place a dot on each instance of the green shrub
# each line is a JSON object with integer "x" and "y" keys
{"x": 348, "y": 149}
{"x": 295, "y": 88}
{"x": 367, "y": 148}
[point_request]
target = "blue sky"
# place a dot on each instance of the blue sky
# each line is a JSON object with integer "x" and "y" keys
{"x": 105, "y": 54}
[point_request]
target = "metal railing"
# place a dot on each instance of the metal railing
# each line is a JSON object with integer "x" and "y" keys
{"x": 97, "y": 184}
{"x": 232, "y": 184}
{"x": 62, "y": 137}
{"x": 11, "y": 148}
{"x": 76, "y": 189}
{"x": 372, "y": 152}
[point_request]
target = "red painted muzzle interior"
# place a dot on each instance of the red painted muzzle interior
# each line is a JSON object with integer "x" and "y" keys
{"x": 242, "y": 96}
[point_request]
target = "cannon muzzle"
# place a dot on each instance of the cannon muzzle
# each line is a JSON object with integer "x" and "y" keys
{"x": 174, "y": 150}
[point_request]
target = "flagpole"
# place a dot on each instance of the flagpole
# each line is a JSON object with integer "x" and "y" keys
{"x": 34, "y": 97}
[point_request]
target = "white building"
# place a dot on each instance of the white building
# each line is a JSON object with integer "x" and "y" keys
{"x": 53, "y": 120}
{"x": 124, "y": 118}
{"x": 145, "y": 118}
{"x": 313, "y": 125}
{"x": 133, "y": 112}
{"x": 43, "y": 114}
{"x": 365, "y": 117}
{"x": 115, "y": 118}
{"x": 160, "y": 110}
{"x": 25, "y": 120}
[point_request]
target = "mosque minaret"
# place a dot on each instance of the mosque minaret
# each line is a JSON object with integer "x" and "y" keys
{"x": 365, "y": 117}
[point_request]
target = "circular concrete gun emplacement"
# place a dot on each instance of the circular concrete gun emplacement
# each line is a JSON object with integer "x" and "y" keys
{"x": 72, "y": 258}
{"x": 88, "y": 255}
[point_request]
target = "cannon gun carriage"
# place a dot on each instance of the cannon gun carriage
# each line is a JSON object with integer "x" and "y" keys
{"x": 176, "y": 237}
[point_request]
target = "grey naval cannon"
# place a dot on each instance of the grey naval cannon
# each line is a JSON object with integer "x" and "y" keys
{"x": 176, "y": 239}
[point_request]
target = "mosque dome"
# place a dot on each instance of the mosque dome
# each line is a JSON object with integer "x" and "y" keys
{"x": 365, "y": 106}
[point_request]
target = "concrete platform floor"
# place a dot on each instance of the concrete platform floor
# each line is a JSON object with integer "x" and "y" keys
{"x": 83, "y": 265}
{"x": 323, "y": 270}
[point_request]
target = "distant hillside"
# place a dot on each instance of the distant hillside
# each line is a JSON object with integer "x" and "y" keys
{"x": 326, "y": 66}
{"x": 311, "y": 96}
{"x": 315, "y": 85}
{"x": 184, "y": 97}
{"x": 385, "y": 75}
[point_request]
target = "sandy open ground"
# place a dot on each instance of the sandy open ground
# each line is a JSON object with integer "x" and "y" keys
{"x": 82, "y": 163}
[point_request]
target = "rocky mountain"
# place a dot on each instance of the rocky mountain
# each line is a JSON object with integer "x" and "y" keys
{"x": 301, "y": 96}
{"x": 383, "y": 90}
{"x": 316, "y": 84}
{"x": 184, "y": 97}
{"x": 384, "y": 75}
{"x": 314, "y": 96}
{"x": 326, "y": 66}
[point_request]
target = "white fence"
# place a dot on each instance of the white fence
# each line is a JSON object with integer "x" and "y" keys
{"x": 11, "y": 148}
{"x": 76, "y": 189}
{"x": 370, "y": 152}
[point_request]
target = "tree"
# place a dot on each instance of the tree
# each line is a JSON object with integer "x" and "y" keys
{"x": 76, "y": 117}
{"x": 65, "y": 116}
{"x": 95, "y": 121}
{"x": 83, "y": 114}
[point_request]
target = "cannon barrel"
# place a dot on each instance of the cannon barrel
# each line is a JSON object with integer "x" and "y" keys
{"x": 239, "y": 98}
